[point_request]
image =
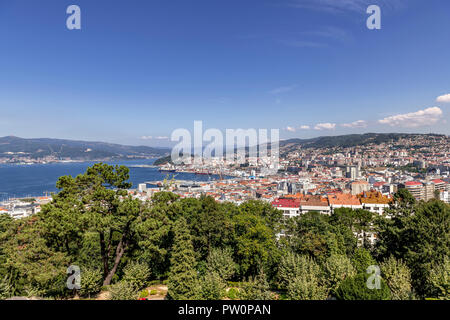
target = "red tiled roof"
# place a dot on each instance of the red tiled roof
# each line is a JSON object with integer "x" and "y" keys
{"x": 286, "y": 203}
{"x": 413, "y": 183}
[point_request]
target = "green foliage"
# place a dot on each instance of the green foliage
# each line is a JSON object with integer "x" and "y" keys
{"x": 183, "y": 281}
{"x": 362, "y": 259}
{"x": 122, "y": 291}
{"x": 153, "y": 292}
{"x": 336, "y": 269}
{"x": 31, "y": 263}
{"x": 306, "y": 288}
{"x": 304, "y": 279}
{"x": 233, "y": 293}
{"x": 398, "y": 278}
{"x": 355, "y": 288}
{"x": 421, "y": 240}
{"x": 256, "y": 243}
{"x": 143, "y": 294}
{"x": 91, "y": 282}
{"x": 5, "y": 288}
{"x": 136, "y": 273}
{"x": 256, "y": 288}
{"x": 220, "y": 261}
{"x": 291, "y": 265}
{"x": 439, "y": 280}
{"x": 319, "y": 236}
{"x": 210, "y": 224}
{"x": 212, "y": 287}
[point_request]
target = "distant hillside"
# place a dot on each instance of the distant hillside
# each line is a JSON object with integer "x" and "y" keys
{"x": 349, "y": 140}
{"x": 75, "y": 150}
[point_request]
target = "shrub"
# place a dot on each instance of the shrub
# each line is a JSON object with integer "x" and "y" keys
{"x": 355, "y": 288}
{"x": 290, "y": 267}
{"x": 143, "y": 294}
{"x": 212, "y": 287}
{"x": 137, "y": 274}
{"x": 398, "y": 278}
{"x": 336, "y": 269}
{"x": 306, "y": 287}
{"x": 153, "y": 292}
{"x": 5, "y": 288}
{"x": 233, "y": 294}
{"x": 439, "y": 280}
{"x": 256, "y": 288}
{"x": 220, "y": 261}
{"x": 91, "y": 282}
{"x": 122, "y": 291}
{"x": 362, "y": 259}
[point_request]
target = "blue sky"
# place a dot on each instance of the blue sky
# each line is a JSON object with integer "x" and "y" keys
{"x": 140, "y": 69}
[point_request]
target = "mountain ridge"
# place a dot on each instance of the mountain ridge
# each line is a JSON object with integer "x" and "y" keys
{"x": 11, "y": 146}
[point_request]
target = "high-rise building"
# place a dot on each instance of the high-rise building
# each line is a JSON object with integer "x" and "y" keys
{"x": 415, "y": 188}
{"x": 352, "y": 172}
{"x": 428, "y": 191}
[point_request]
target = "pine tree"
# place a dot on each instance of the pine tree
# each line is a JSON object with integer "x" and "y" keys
{"x": 183, "y": 280}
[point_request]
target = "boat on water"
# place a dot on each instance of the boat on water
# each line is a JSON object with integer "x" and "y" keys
{"x": 167, "y": 168}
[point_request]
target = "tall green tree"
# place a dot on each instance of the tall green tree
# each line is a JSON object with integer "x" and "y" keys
{"x": 398, "y": 278}
{"x": 256, "y": 288}
{"x": 220, "y": 261}
{"x": 362, "y": 259}
{"x": 183, "y": 279}
{"x": 439, "y": 280}
{"x": 421, "y": 240}
{"x": 307, "y": 282}
{"x": 336, "y": 269}
{"x": 97, "y": 202}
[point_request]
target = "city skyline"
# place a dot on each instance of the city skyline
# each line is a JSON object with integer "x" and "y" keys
{"x": 137, "y": 71}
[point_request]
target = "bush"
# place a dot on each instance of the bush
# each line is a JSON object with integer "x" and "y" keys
{"x": 233, "y": 294}
{"x": 290, "y": 266}
{"x": 302, "y": 277}
{"x": 256, "y": 288}
{"x": 336, "y": 269}
{"x": 137, "y": 274}
{"x": 212, "y": 287}
{"x": 143, "y": 294}
{"x": 439, "y": 280}
{"x": 122, "y": 291}
{"x": 355, "y": 288}
{"x": 5, "y": 289}
{"x": 362, "y": 259}
{"x": 306, "y": 287}
{"x": 398, "y": 278}
{"x": 220, "y": 261}
{"x": 153, "y": 292}
{"x": 91, "y": 282}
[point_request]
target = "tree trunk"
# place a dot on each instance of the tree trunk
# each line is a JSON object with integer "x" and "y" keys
{"x": 104, "y": 255}
{"x": 119, "y": 253}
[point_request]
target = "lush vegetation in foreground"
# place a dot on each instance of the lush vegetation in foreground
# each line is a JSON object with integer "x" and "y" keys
{"x": 204, "y": 249}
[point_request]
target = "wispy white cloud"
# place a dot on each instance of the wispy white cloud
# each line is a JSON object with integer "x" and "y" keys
{"x": 290, "y": 129}
{"x": 146, "y": 138}
{"x": 419, "y": 118}
{"x": 162, "y": 138}
{"x": 283, "y": 89}
{"x": 325, "y": 126}
{"x": 340, "y": 6}
{"x": 444, "y": 98}
{"x": 305, "y": 127}
{"x": 355, "y": 124}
